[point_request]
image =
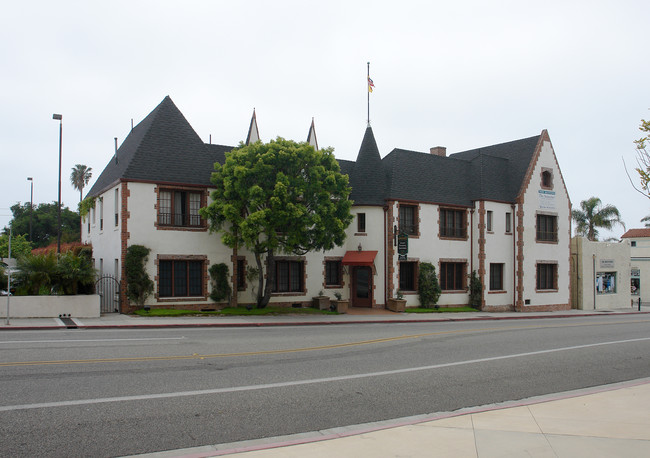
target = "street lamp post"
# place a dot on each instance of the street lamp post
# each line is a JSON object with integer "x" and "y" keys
{"x": 31, "y": 205}
{"x": 59, "y": 118}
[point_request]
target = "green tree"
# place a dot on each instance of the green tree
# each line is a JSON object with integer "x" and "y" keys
{"x": 138, "y": 284}
{"x": 593, "y": 215}
{"x": 475, "y": 291}
{"x": 428, "y": 285}
{"x": 74, "y": 272}
{"x": 79, "y": 177}
{"x": 20, "y": 246}
{"x": 279, "y": 197}
{"x": 44, "y": 223}
{"x": 37, "y": 273}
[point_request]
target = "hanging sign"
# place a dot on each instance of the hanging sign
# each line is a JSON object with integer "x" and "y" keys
{"x": 402, "y": 246}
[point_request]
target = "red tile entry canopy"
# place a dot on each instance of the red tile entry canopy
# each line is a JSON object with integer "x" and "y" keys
{"x": 359, "y": 258}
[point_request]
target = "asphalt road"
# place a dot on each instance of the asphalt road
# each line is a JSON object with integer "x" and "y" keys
{"x": 114, "y": 393}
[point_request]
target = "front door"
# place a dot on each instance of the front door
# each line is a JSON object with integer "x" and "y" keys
{"x": 361, "y": 286}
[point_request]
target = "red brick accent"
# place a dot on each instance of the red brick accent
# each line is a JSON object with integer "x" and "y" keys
{"x": 482, "y": 226}
{"x": 333, "y": 258}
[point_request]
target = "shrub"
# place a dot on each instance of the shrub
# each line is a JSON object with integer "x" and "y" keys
{"x": 475, "y": 291}
{"x": 220, "y": 284}
{"x": 138, "y": 284}
{"x": 428, "y": 285}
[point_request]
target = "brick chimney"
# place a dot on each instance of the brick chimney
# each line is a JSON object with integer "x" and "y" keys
{"x": 438, "y": 151}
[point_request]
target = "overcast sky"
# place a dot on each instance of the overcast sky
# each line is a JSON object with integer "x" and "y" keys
{"x": 456, "y": 74}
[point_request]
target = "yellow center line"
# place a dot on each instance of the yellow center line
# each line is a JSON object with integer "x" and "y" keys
{"x": 195, "y": 356}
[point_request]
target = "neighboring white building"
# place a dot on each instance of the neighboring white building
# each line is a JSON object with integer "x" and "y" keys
{"x": 600, "y": 275}
{"x": 639, "y": 240}
{"x": 501, "y": 210}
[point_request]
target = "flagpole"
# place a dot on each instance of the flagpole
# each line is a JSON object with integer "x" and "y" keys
{"x": 368, "y": 94}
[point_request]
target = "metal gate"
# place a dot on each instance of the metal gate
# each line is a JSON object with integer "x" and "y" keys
{"x": 108, "y": 288}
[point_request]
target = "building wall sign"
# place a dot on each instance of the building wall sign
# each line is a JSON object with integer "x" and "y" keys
{"x": 402, "y": 246}
{"x": 546, "y": 199}
{"x": 606, "y": 263}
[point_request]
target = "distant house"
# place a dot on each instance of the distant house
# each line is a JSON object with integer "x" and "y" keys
{"x": 639, "y": 240}
{"x": 502, "y": 211}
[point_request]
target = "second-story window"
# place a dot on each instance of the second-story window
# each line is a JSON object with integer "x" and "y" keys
{"x": 452, "y": 223}
{"x": 546, "y": 228}
{"x": 408, "y": 219}
{"x": 179, "y": 208}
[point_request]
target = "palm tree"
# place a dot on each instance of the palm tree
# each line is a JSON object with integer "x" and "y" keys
{"x": 80, "y": 177}
{"x": 594, "y": 215}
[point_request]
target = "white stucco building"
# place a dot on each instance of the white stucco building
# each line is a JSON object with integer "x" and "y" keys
{"x": 502, "y": 211}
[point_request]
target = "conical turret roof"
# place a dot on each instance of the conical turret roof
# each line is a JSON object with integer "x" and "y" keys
{"x": 368, "y": 179}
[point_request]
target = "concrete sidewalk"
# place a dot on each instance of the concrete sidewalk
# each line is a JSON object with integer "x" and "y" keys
{"x": 116, "y": 320}
{"x": 608, "y": 421}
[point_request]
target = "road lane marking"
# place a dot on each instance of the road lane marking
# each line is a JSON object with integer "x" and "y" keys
{"x": 178, "y": 394}
{"x": 297, "y": 350}
{"x": 89, "y": 340}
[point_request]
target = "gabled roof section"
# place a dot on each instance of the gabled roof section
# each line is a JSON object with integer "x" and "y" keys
{"x": 162, "y": 148}
{"x": 253, "y": 133}
{"x": 636, "y": 233}
{"x": 490, "y": 173}
{"x": 368, "y": 178}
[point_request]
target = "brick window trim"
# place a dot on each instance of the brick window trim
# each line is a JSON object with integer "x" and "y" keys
{"x": 302, "y": 259}
{"x": 465, "y": 221}
{"x": 549, "y": 172}
{"x": 416, "y": 275}
{"x": 557, "y": 232}
{"x": 465, "y": 275}
{"x": 342, "y": 281}
{"x": 555, "y": 289}
{"x": 204, "y": 202}
{"x": 416, "y": 218}
{"x": 180, "y": 257}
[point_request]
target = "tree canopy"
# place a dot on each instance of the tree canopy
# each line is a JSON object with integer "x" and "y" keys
{"x": 44, "y": 223}
{"x": 642, "y": 160}
{"x": 279, "y": 197}
{"x": 593, "y": 215}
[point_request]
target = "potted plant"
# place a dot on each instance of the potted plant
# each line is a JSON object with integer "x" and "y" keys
{"x": 398, "y": 303}
{"x": 340, "y": 305}
{"x": 321, "y": 302}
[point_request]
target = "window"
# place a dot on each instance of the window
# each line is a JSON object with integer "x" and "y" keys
{"x": 179, "y": 208}
{"x": 508, "y": 223}
{"x": 547, "y": 179}
{"x": 452, "y": 276}
{"x": 361, "y": 222}
{"x": 606, "y": 282}
{"x": 496, "y": 277}
{"x": 101, "y": 266}
{"x": 117, "y": 268}
{"x": 546, "y": 276}
{"x": 452, "y": 223}
{"x": 546, "y": 228}
{"x": 288, "y": 276}
{"x": 489, "y": 220}
{"x": 180, "y": 278}
{"x": 332, "y": 273}
{"x": 633, "y": 243}
{"x": 241, "y": 274}
{"x": 408, "y": 219}
{"x": 635, "y": 281}
{"x": 407, "y": 276}
{"x": 117, "y": 205}
{"x": 101, "y": 213}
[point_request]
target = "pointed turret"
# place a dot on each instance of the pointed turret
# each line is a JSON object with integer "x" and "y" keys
{"x": 253, "y": 134}
{"x": 368, "y": 179}
{"x": 311, "y": 136}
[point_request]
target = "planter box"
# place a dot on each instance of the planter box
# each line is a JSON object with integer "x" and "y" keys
{"x": 396, "y": 305}
{"x": 321, "y": 302}
{"x": 341, "y": 306}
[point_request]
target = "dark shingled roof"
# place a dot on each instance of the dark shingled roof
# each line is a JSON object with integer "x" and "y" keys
{"x": 163, "y": 148}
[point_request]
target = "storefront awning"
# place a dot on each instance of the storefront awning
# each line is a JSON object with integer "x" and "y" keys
{"x": 359, "y": 258}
